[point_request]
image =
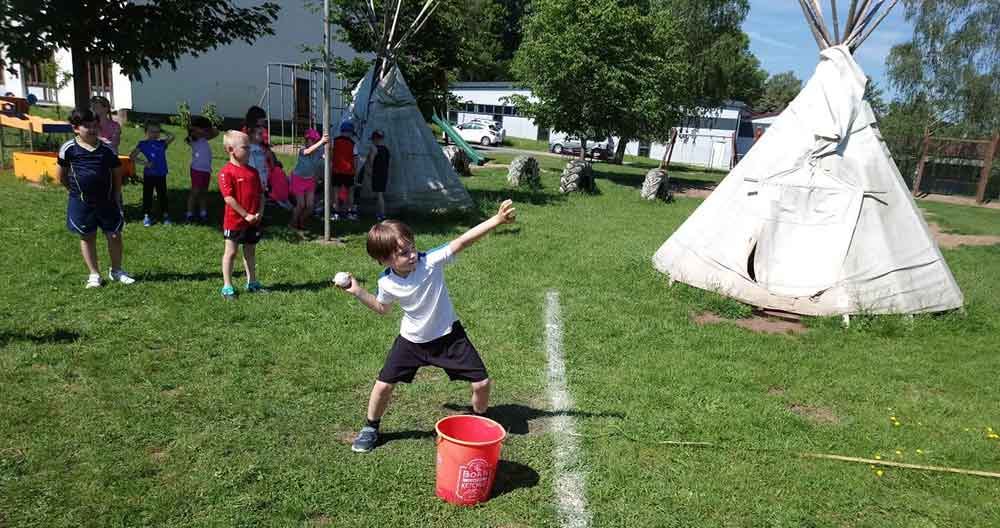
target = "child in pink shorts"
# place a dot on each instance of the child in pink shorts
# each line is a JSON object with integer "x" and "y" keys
{"x": 200, "y": 131}
{"x": 307, "y": 171}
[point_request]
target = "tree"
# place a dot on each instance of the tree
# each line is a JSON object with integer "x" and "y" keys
{"x": 952, "y": 62}
{"x": 589, "y": 63}
{"x": 136, "y": 36}
{"x": 634, "y": 68}
{"x": 876, "y": 98}
{"x": 779, "y": 90}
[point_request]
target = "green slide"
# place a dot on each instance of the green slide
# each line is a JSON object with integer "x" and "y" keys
{"x": 474, "y": 156}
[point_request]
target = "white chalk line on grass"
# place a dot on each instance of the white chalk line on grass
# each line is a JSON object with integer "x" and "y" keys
{"x": 570, "y": 483}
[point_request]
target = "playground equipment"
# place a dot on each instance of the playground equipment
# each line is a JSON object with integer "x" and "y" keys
{"x": 455, "y": 137}
{"x": 42, "y": 167}
{"x": 14, "y": 116}
{"x": 293, "y": 100}
{"x": 34, "y": 166}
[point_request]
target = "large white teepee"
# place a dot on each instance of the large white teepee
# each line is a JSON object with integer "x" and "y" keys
{"x": 420, "y": 177}
{"x": 816, "y": 219}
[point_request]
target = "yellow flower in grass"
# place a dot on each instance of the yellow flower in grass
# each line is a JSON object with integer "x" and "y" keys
{"x": 920, "y": 451}
{"x": 899, "y": 452}
{"x": 993, "y": 436}
{"x": 878, "y": 457}
{"x": 878, "y": 473}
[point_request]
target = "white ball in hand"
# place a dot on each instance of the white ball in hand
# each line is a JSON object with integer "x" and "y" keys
{"x": 342, "y": 279}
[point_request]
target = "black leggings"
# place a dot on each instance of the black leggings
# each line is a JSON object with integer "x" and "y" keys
{"x": 148, "y": 186}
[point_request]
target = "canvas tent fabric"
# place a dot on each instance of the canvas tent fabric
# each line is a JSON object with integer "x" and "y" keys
{"x": 816, "y": 219}
{"x": 420, "y": 176}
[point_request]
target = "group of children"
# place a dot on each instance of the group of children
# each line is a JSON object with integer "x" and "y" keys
{"x": 430, "y": 332}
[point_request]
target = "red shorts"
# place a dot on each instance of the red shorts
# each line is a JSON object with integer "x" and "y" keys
{"x": 200, "y": 179}
{"x": 301, "y": 186}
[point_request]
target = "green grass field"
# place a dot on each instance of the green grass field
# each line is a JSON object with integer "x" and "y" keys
{"x": 160, "y": 405}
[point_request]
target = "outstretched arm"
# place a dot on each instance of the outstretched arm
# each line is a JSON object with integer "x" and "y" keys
{"x": 505, "y": 215}
{"x": 312, "y": 148}
{"x": 366, "y": 298}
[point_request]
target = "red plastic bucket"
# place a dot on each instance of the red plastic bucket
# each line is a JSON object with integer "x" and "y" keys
{"x": 468, "y": 448}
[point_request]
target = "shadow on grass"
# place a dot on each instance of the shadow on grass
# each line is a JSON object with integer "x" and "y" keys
{"x": 516, "y": 418}
{"x": 59, "y": 336}
{"x": 170, "y": 276}
{"x": 392, "y": 436}
{"x": 512, "y": 476}
{"x": 533, "y": 197}
{"x": 678, "y": 181}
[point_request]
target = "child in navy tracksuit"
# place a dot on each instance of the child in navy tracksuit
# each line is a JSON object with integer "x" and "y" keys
{"x": 92, "y": 173}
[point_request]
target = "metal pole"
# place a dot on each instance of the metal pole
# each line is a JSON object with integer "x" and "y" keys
{"x": 267, "y": 94}
{"x": 326, "y": 119}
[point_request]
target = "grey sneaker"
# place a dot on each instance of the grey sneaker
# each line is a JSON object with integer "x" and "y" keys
{"x": 365, "y": 441}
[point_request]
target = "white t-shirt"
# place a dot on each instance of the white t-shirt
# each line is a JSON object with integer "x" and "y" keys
{"x": 201, "y": 155}
{"x": 422, "y": 295}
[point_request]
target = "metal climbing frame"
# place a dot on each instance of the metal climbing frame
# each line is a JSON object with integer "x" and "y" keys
{"x": 283, "y": 100}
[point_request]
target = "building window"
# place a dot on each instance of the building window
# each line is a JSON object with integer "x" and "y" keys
{"x": 508, "y": 110}
{"x": 100, "y": 75}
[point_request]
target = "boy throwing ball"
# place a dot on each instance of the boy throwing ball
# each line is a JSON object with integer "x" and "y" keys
{"x": 430, "y": 333}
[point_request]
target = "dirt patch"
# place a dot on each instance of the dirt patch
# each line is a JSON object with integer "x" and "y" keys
{"x": 489, "y": 166}
{"x": 693, "y": 192}
{"x": 321, "y": 520}
{"x": 765, "y": 325}
{"x": 156, "y": 454}
{"x": 816, "y": 415}
{"x": 959, "y": 200}
{"x": 775, "y": 390}
{"x": 948, "y": 240}
{"x": 172, "y": 393}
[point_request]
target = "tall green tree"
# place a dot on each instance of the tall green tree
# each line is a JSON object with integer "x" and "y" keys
{"x": 952, "y": 63}
{"x": 632, "y": 68}
{"x": 136, "y": 36}
{"x": 779, "y": 90}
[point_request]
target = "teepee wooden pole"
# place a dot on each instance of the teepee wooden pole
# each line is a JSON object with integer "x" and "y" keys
{"x": 851, "y": 13}
{"x": 417, "y": 28}
{"x": 855, "y": 44}
{"x": 820, "y": 21}
{"x": 811, "y": 21}
{"x": 395, "y": 20}
{"x": 859, "y": 15}
{"x": 836, "y": 21}
{"x": 863, "y": 24}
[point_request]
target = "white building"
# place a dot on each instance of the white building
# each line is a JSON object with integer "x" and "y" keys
{"x": 710, "y": 141}
{"x": 233, "y": 77}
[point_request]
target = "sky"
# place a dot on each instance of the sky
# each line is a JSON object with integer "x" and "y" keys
{"x": 780, "y": 38}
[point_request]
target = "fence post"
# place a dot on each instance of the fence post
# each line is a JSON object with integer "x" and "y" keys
{"x": 920, "y": 164}
{"x": 984, "y": 176}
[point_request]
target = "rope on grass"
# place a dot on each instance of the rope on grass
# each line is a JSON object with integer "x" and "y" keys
{"x": 823, "y": 456}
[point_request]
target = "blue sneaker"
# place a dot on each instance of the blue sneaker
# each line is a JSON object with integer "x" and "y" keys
{"x": 255, "y": 287}
{"x": 366, "y": 440}
{"x": 147, "y": 221}
{"x": 228, "y": 293}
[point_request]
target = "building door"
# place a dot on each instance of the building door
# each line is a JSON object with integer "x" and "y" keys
{"x": 303, "y": 104}
{"x": 719, "y": 155}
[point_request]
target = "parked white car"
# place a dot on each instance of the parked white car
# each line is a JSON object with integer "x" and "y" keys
{"x": 494, "y": 126}
{"x": 477, "y": 132}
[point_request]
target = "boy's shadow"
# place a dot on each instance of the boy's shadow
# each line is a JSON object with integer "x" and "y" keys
{"x": 516, "y": 418}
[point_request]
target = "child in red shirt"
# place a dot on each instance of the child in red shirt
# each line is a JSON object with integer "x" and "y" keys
{"x": 241, "y": 190}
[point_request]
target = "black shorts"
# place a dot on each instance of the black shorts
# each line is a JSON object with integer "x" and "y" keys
{"x": 379, "y": 181}
{"x": 250, "y": 235}
{"x": 342, "y": 180}
{"x": 453, "y": 353}
{"x": 84, "y": 218}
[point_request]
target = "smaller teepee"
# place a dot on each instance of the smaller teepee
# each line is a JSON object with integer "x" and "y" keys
{"x": 816, "y": 218}
{"x": 420, "y": 176}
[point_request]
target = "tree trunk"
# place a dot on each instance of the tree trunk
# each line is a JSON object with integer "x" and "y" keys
{"x": 583, "y": 149}
{"x": 619, "y": 156}
{"x": 81, "y": 78}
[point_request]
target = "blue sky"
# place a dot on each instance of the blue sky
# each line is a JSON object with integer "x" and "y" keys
{"x": 780, "y": 38}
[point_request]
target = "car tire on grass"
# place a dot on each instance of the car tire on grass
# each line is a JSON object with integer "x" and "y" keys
{"x": 557, "y": 148}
